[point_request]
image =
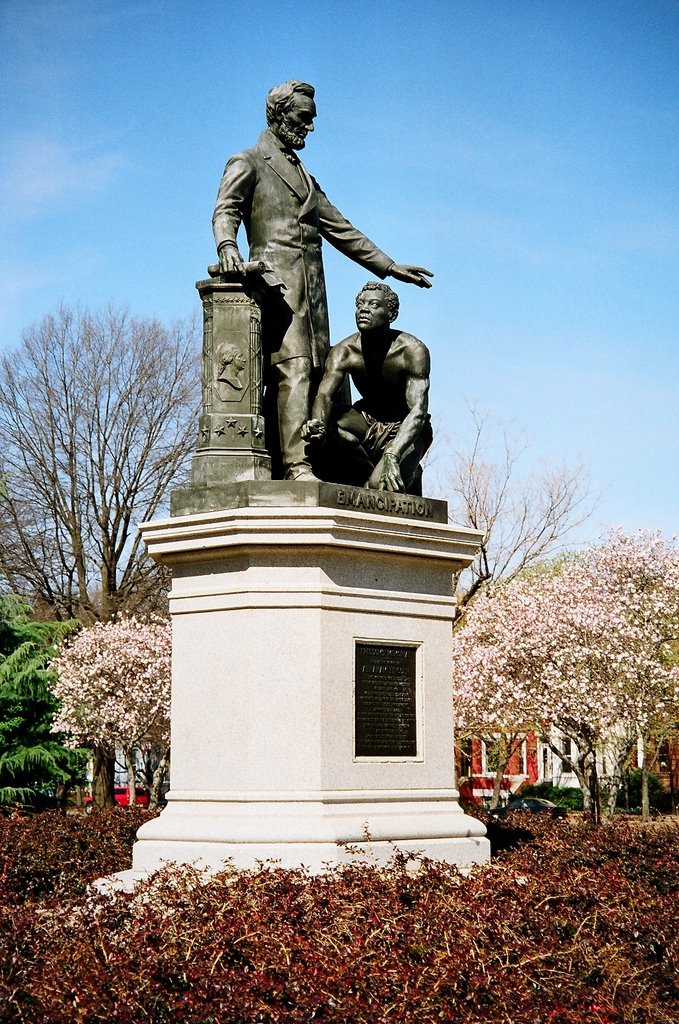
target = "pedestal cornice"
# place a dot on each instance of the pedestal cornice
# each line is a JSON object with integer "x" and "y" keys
{"x": 206, "y": 534}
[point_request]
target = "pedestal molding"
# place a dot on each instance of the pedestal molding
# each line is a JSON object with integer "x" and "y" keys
{"x": 187, "y": 538}
{"x": 279, "y": 821}
{"x": 387, "y": 602}
{"x": 318, "y": 796}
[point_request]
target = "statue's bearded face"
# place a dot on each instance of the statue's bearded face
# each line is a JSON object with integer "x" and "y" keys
{"x": 296, "y": 122}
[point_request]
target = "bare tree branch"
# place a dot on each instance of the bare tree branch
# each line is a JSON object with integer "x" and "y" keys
{"x": 522, "y": 519}
{"x": 97, "y": 420}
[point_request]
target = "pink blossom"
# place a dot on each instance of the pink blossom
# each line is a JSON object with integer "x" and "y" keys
{"x": 113, "y": 683}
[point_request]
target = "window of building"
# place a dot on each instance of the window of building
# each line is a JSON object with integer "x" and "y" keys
{"x": 465, "y": 756}
{"x": 545, "y": 763}
{"x": 523, "y": 758}
{"x": 568, "y": 750}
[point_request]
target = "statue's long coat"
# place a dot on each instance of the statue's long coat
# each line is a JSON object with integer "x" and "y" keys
{"x": 286, "y": 216}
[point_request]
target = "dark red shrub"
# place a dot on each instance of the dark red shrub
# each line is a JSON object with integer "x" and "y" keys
{"x": 576, "y": 926}
{"x": 55, "y": 854}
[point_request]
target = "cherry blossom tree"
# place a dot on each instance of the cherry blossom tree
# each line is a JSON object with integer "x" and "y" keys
{"x": 582, "y": 676}
{"x": 113, "y": 685}
{"x": 537, "y": 653}
{"x": 642, "y": 570}
{"x": 494, "y": 677}
{"x": 587, "y": 647}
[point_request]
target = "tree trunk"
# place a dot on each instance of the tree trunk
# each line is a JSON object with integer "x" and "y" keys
{"x": 617, "y": 778}
{"x": 131, "y": 766}
{"x": 648, "y": 763}
{"x": 580, "y": 770}
{"x": 612, "y": 796}
{"x": 645, "y": 801}
{"x": 497, "y": 785}
{"x": 103, "y": 774}
{"x": 582, "y": 775}
{"x": 499, "y": 752}
{"x": 595, "y": 790}
{"x": 63, "y": 793}
{"x": 158, "y": 776}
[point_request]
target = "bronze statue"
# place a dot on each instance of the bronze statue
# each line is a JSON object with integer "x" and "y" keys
{"x": 286, "y": 215}
{"x": 380, "y": 440}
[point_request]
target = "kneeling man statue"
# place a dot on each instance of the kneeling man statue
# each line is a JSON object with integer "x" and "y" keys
{"x": 380, "y": 440}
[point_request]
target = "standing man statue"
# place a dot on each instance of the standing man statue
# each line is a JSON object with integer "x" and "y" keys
{"x": 379, "y": 441}
{"x": 286, "y": 216}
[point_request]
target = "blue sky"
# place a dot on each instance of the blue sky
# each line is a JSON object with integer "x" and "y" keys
{"x": 526, "y": 152}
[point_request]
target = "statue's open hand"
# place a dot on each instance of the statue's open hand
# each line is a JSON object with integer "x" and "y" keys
{"x": 390, "y": 474}
{"x": 230, "y": 260}
{"x": 411, "y": 275}
{"x": 313, "y": 430}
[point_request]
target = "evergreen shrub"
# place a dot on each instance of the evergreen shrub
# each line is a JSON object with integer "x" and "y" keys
{"x": 563, "y": 796}
{"x": 629, "y": 796}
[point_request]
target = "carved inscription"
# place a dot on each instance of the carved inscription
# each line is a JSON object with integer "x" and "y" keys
{"x": 385, "y": 701}
{"x": 385, "y": 501}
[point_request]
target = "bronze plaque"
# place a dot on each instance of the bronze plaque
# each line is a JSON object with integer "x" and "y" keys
{"x": 385, "y": 701}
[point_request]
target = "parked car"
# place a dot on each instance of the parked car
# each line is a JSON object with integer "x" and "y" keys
{"x": 530, "y": 805}
{"x": 121, "y": 795}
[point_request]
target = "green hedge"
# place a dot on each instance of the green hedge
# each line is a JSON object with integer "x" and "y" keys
{"x": 564, "y": 796}
{"x": 629, "y": 797}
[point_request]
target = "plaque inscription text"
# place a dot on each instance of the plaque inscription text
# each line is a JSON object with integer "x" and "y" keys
{"x": 385, "y": 701}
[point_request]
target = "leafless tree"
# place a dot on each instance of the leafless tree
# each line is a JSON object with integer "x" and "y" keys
{"x": 97, "y": 419}
{"x": 523, "y": 519}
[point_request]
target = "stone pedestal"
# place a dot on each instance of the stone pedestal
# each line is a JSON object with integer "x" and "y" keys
{"x": 311, "y": 700}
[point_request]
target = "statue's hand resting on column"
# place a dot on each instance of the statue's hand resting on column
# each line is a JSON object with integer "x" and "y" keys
{"x": 230, "y": 260}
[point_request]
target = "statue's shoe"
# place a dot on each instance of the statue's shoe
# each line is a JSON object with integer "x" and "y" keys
{"x": 301, "y": 472}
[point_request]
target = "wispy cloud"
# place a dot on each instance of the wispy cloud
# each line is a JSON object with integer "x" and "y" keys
{"x": 37, "y": 171}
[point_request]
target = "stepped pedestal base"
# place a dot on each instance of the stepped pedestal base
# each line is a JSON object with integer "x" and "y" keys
{"x": 311, "y": 708}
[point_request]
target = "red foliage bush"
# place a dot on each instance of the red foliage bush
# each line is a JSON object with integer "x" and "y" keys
{"x": 577, "y": 926}
{"x": 54, "y": 854}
